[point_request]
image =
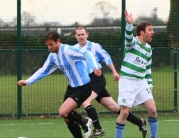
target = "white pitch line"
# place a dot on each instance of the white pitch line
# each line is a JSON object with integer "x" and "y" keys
{"x": 171, "y": 120}
{"x": 30, "y": 123}
{"x": 45, "y": 123}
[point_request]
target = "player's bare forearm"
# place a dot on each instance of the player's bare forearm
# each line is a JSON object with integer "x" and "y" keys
{"x": 115, "y": 74}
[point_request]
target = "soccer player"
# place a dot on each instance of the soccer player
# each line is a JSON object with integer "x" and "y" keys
{"x": 135, "y": 84}
{"x": 99, "y": 92}
{"x": 70, "y": 60}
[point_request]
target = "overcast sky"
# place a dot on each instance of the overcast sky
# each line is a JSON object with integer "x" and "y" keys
{"x": 67, "y": 12}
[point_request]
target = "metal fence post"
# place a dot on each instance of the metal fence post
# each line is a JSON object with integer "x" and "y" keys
{"x": 19, "y": 58}
{"x": 123, "y": 23}
{"x": 175, "y": 80}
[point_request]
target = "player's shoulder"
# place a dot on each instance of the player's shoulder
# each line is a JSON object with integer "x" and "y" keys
{"x": 66, "y": 46}
{"x": 76, "y": 45}
{"x": 72, "y": 48}
{"x": 95, "y": 45}
{"x": 148, "y": 48}
{"x": 147, "y": 45}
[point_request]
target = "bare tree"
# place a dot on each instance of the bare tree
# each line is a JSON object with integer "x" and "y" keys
{"x": 153, "y": 18}
{"x": 1, "y": 22}
{"x": 173, "y": 24}
{"x": 27, "y": 19}
{"x": 103, "y": 12}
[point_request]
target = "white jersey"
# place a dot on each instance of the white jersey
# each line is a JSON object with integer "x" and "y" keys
{"x": 137, "y": 58}
{"x": 98, "y": 52}
{"x": 69, "y": 59}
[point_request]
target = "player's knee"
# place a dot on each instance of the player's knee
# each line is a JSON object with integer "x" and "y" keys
{"x": 62, "y": 113}
{"x": 124, "y": 113}
{"x": 152, "y": 112}
{"x": 86, "y": 103}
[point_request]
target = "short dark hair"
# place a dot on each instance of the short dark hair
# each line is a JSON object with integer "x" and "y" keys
{"x": 52, "y": 35}
{"x": 81, "y": 27}
{"x": 141, "y": 27}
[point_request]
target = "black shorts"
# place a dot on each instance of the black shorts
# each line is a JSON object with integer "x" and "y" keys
{"x": 78, "y": 94}
{"x": 98, "y": 84}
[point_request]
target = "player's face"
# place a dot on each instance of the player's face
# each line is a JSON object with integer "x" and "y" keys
{"x": 148, "y": 34}
{"x": 53, "y": 46}
{"x": 81, "y": 36}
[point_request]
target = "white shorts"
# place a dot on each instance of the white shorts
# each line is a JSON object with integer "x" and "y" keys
{"x": 133, "y": 92}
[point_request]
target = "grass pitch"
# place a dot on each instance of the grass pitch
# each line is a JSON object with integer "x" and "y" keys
{"x": 56, "y": 128}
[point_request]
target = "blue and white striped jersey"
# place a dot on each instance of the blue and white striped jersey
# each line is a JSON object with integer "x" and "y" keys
{"x": 70, "y": 60}
{"x": 98, "y": 52}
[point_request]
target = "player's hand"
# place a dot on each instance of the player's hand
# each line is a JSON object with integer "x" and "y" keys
{"x": 21, "y": 83}
{"x": 129, "y": 18}
{"x": 116, "y": 76}
{"x": 97, "y": 72}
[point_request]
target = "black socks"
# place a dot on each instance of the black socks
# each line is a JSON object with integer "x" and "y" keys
{"x": 91, "y": 111}
{"x": 74, "y": 129}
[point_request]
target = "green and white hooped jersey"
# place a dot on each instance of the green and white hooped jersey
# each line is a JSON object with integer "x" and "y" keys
{"x": 137, "y": 58}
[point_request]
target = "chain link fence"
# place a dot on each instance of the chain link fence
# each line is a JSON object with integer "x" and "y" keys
{"x": 22, "y": 49}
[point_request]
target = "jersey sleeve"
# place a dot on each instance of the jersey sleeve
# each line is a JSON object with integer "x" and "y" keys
{"x": 102, "y": 55}
{"x": 91, "y": 60}
{"x": 129, "y": 37}
{"x": 48, "y": 67}
{"x": 148, "y": 70}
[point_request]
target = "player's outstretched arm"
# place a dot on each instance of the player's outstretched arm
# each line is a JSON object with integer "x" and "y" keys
{"x": 129, "y": 18}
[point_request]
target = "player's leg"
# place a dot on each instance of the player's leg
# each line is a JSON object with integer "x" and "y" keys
{"x": 72, "y": 100}
{"x": 85, "y": 123}
{"x": 152, "y": 117}
{"x": 126, "y": 99}
{"x": 141, "y": 123}
{"x": 145, "y": 97}
{"x": 74, "y": 129}
{"x": 98, "y": 83}
{"x": 65, "y": 111}
{"x": 121, "y": 121}
{"x": 73, "y": 126}
{"x": 110, "y": 104}
{"x": 92, "y": 113}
